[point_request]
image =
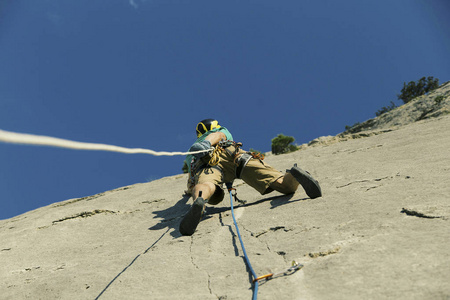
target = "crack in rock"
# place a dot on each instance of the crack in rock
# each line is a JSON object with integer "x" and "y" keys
{"x": 372, "y": 187}
{"x": 425, "y": 114}
{"x": 85, "y": 214}
{"x": 361, "y": 181}
{"x": 153, "y": 201}
{"x": 273, "y": 229}
{"x": 359, "y": 149}
{"x": 414, "y": 213}
{"x": 198, "y": 268}
{"x": 372, "y": 180}
{"x": 324, "y": 253}
{"x": 89, "y": 198}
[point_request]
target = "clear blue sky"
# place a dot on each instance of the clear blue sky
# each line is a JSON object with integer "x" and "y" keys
{"x": 142, "y": 73}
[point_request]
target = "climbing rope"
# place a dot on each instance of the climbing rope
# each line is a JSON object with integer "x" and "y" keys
{"x": 295, "y": 266}
{"x": 41, "y": 140}
{"x": 215, "y": 156}
{"x": 247, "y": 260}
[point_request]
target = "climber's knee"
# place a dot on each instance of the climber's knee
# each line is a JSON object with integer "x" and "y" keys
{"x": 286, "y": 184}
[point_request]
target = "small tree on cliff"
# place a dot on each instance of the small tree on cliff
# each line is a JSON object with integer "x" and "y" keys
{"x": 283, "y": 144}
{"x": 414, "y": 89}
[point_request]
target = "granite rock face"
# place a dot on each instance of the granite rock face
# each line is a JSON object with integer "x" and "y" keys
{"x": 380, "y": 231}
{"x": 434, "y": 104}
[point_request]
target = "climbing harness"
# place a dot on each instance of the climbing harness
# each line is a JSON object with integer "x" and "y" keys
{"x": 41, "y": 140}
{"x": 294, "y": 267}
{"x": 240, "y": 159}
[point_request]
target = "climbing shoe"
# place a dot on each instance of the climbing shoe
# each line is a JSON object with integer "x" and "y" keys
{"x": 309, "y": 184}
{"x": 193, "y": 217}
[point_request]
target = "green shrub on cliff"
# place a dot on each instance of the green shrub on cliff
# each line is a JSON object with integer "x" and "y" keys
{"x": 385, "y": 109}
{"x": 417, "y": 88}
{"x": 283, "y": 144}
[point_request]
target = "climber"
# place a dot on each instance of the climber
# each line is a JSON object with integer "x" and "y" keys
{"x": 209, "y": 170}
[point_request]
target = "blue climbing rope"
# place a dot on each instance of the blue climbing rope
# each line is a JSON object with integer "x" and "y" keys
{"x": 247, "y": 260}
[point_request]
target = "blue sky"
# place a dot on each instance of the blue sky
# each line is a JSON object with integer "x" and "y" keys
{"x": 142, "y": 73}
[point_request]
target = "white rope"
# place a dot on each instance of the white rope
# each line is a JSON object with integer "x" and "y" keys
{"x": 41, "y": 140}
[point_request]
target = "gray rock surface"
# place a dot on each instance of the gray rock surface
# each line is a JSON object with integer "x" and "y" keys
{"x": 381, "y": 231}
{"x": 434, "y": 104}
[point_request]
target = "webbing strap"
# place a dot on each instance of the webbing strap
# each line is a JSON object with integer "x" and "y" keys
{"x": 241, "y": 163}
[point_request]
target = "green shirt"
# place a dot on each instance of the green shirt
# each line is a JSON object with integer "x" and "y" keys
{"x": 188, "y": 159}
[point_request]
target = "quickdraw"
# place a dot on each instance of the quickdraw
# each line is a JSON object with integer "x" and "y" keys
{"x": 294, "y": 268}
{"x": 256, "y": 280}
{"x": 256, "y": 155}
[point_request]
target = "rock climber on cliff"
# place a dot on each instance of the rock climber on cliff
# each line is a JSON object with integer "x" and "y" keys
{"x": 208, "y": 171}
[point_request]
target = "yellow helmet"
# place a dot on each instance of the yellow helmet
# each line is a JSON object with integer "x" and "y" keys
{"x": 205, "y": 126}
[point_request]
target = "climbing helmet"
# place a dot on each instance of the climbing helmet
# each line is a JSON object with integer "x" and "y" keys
{"x": 205, "y": 126}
